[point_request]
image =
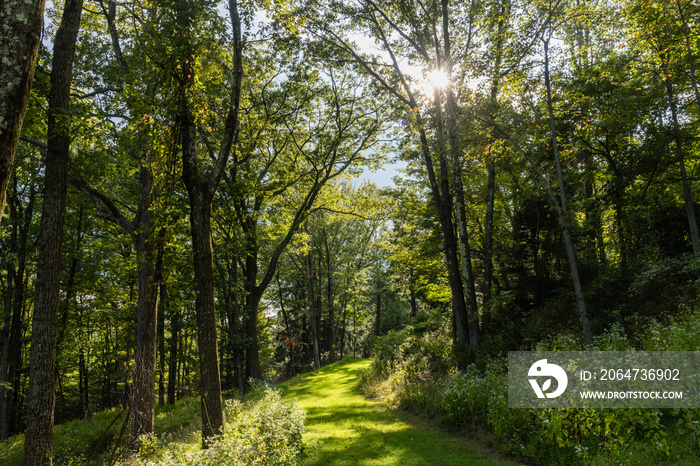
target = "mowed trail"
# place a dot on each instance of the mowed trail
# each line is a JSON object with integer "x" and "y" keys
{"x": 344, "y": 428}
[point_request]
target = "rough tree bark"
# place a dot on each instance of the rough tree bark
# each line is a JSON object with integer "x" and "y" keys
{"x": 20, "y": 33}
{"x": 143, "y": 237}
{"x": 40, "y": 393}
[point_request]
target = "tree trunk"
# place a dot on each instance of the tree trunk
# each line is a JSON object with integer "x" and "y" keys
{"x": 465, "y": 260}
{"x": 40, "y": 393}
{"x": 209, "y": 374}
{"x": 412, "y": 293}
{"x": 308, "y": 269}
{"x": 19, "y": 44}
{"x": 285, "y": 318}
{"x": 173, "y": 354}
{"x": 236, "y": 350}
{"x": 143, "y": 409}
{"x": 442, "y": 197}
{"x": 562, "y": 209}
{"x": 252, "y": 363}
{"x": 252, "y": 300}
{"x": 378, "y": 316}
{"x": 142, "y": 230}
{"x": 70, "y": 300}
{"x": 229, "y": 272}
{"x": 354, "y": 329}
{"x": 201, "y": 188}
{"x": 488, "y": 247}
{"x": 82, "y": 380}
{"x": 491, "y": 180}
{"x": 105, "y": 392}
{"x": 7, "y": 395}
{"x": 342, "y": 329}
{"x": 332, "y": 332}
{"x": 465, "y": 253}
{"x": 12, "y": 333}
{"x": 161, "y": 342}
{"x": 680, "y": 153}
{"x": 318, "y": 304}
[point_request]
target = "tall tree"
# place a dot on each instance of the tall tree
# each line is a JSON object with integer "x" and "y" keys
{"x": 41, "y": 396}
{"x": 201, "y": 187}
{"x": 498, "y": 18}
{"x": 322, "y": 135}
{"x": 561, "y": 206}
{"x": 141, "y": 143}
{"x": 422, "y": 32}
{"x": 658, "y": 35}
{"x": 544, "y": 34}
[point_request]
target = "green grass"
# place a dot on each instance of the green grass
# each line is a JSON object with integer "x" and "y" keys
{"x": 342, "y": 428}
{"x": 345, "y": 428}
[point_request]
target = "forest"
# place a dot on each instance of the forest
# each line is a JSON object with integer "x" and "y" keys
{"x": 186, "y": 211}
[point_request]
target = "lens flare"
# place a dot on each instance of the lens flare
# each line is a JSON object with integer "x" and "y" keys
{"x": 438, "y": 79}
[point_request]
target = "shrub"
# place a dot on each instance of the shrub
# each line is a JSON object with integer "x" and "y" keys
{"x": 465, "y": 397}
{"x": 680, "y": 333}
{"x": 264, "y": 432}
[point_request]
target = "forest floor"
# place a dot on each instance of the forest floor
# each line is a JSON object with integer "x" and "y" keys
{"x": 345, "y": 428}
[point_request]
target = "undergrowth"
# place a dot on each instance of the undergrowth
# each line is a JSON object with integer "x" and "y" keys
{"x": 475, "y": 400}
{"x": 267, "y": 431}
{"x": 103, "y": 439}
{"x": 262, "y": 431}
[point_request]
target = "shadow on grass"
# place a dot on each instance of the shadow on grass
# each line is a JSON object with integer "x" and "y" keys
{"x": 344, "y": 428}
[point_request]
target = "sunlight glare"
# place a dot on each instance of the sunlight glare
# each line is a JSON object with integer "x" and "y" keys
{"x": 438, "y": 79}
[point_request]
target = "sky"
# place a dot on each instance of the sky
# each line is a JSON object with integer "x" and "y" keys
{"x": 382, "y": 178}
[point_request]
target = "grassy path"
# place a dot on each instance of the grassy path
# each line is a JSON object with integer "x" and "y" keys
{"x": 344, "y": 428}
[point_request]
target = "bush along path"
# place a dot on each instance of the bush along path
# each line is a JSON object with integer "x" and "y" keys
{"x": 344, "y": 428}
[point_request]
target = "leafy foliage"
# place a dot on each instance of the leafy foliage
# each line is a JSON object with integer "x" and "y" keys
{"x": 263, "y": 432}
